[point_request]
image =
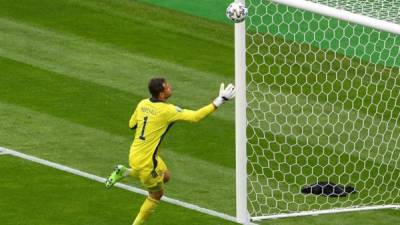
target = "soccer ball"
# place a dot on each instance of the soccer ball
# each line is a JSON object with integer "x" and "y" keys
{"x": 236, "y": 12}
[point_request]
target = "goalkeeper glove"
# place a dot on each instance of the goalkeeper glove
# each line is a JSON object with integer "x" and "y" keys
{"x": 225, "y": 94}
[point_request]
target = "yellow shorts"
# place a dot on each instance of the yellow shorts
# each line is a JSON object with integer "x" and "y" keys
{"x": 153, "y": 182}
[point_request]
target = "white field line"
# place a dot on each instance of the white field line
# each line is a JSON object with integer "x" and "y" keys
{"x": 327, "y": 211}
{"x": 119, "y": 185}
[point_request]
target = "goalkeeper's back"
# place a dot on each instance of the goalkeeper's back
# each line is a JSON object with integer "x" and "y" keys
{"x": 152, "y": 119}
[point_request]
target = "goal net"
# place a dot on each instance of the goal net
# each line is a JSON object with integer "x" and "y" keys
{"x": 323, "y": 105}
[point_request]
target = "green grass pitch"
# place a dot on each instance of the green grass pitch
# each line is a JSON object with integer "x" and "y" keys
{"x": 70, "y": 74}
{"x": 68, "y": 199}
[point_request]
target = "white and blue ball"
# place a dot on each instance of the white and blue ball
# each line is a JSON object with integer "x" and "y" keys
{"x": 236, "y": 12}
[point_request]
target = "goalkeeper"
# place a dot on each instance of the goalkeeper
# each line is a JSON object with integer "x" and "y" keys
{"x": 152, "y": 119}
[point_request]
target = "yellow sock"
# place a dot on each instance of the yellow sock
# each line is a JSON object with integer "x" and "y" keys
{"x": 145, "y": 211}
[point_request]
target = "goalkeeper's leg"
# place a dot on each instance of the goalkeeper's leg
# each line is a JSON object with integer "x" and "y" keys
{"x": 148, "y": 207}
{"x": 118, "y": 174}
{"x": 151, "y": 201}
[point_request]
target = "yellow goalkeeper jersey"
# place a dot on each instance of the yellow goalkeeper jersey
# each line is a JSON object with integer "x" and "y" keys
{"x": 152, "y": 119}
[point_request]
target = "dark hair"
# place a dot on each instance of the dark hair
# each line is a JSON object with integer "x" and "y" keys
{"x": 156, "y": 86}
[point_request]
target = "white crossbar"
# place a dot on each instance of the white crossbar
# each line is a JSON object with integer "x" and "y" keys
{"x": 342, "y": 15}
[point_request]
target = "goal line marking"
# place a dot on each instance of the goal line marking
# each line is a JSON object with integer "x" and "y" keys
{"x": 6, "y": 151}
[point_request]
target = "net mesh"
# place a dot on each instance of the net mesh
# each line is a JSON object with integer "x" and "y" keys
{"x": 323, "y": 105}
{"x": 383, "y": 10}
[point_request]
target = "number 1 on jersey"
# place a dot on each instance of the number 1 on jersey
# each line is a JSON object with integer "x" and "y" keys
{"x": 144, "y": 127}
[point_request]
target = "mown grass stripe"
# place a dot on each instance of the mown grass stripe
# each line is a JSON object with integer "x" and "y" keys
{"x": 104, "y": 64}
{"x": 207, "y": 9}
{"x": 179, "y": 23}
{"x": 107, "y": 109}
{"x": 71, "y": 17}
{"x": 64, "y": 82}
{"x": 119, "y": 185}
{"x": 141, "y": 87}
{"x": 51, "y": 20}
{"x": 69, "y": 199}
{"x": 97, "y": 151}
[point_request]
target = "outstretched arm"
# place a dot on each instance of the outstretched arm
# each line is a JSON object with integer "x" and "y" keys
{"x": 191, "y": 115}
{"x": 225, "y": 94}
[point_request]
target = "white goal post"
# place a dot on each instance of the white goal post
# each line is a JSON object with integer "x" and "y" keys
{"x": 242, "y": 214}
{"x": 318, "y": 99}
